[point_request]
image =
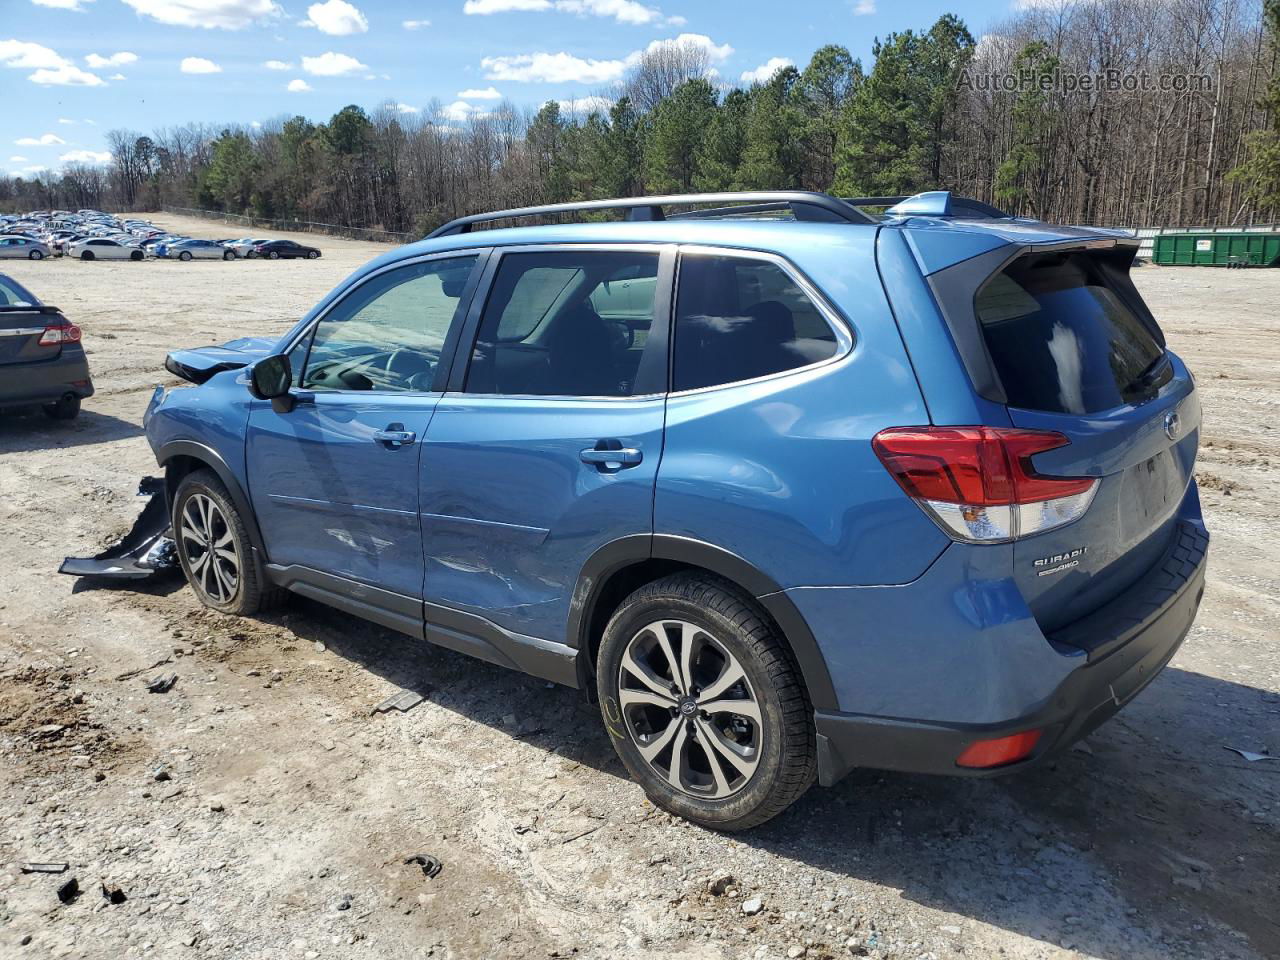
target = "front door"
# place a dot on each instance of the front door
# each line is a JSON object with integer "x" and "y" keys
{"x": 547, "y": 444}
{"x": 334, "y": 481}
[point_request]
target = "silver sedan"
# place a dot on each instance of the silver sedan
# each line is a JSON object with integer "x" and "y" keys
{"x": 24, "y": 248}
{"x": 198, "y": 250}
{"x": 100, "y": 248}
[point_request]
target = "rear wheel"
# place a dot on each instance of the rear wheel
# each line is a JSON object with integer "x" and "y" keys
{"x": 228, "y": 255}
{"x": 251, "y": 255}
{"x": 135, "y": 255}
{"x": 87, "y": 255}
{"x": 66, "y": 407}
{"x": 704, "y": 705}
{"x": 214, "y": 548}
{"x": 273, "y": 255}
{"x": 184, "y": 256}
{"x": 36, "y": 255}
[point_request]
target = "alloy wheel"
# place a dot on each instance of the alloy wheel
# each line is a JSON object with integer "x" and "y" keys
{"x": 210, "y": 549}
{"x": 690, "y": 710}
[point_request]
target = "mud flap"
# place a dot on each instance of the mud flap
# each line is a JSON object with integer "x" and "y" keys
{"x": 145, "y": 550}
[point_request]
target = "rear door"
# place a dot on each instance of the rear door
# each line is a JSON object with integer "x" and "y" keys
{"x": 547, "y": 444}
{"x": 1078, "y": 352}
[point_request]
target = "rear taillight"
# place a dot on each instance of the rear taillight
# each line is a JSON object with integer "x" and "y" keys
{"x": 60, "y": 333}
{"x": 978, "y": 482}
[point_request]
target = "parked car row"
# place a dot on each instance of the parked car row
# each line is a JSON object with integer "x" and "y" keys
{"x": 94, "y": 235}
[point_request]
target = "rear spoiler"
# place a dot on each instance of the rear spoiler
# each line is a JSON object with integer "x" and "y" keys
{"x": 31, "y": 308}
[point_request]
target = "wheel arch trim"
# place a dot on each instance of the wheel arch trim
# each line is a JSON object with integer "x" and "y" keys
{"x": 617, "y": 555}
{"x": 215, "y": 462}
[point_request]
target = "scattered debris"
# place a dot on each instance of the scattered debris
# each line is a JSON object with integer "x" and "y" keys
{"x": 753, "y": 906}
{"x": 44, "y": 868}
{"x": 112, "y": 893}
{"x": 720, "y": 885}
{"x": 130, "y": 674}
{"x": 1250, "y": 755}
{"x": 580, "y": 835}
{"x": 345, "y": 902}
{"x": 161, "y": 775}
{"x": 69, "y": 890}
{"x": 404, "y": 701}
{"x": 431, "y": 866}
{"x": 217, "y": 804}
{"x": 163, "y": 683}
{"x": 145, "y": 550}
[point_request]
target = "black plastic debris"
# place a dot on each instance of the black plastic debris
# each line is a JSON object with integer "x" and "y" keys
{"x": 112, "y": 893}
{"x": 163, "y": 683}
{"x": 44, "y": 868}
{"x": 69, "y": 890}
{"x": 145, "y": 550}
{"x": 431, "y": 866}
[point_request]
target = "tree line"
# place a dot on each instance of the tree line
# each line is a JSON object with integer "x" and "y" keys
{"x": 1110, "y": 112}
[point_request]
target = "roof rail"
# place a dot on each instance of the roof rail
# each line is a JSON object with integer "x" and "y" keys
{"x": 933, "y": 203}
{"x": 804, "y": 205}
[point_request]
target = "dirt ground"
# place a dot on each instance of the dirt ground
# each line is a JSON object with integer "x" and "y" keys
{"x": 284, "y": 810}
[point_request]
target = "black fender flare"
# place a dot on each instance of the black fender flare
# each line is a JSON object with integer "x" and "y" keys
{"x": 621, "y": 553}
{"x": 215, "y": 462}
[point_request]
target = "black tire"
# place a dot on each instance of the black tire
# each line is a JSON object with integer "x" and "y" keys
{"x": 86, "y": 255}
{"x": 64, "y": 408}
{"x": 185, "y": 256}
{"x": 786, "y": 752}
{"x": 136, "y": 256}
{"x": 252, "y": 592}
{"x": 273, "y": 255}
{"x": 229, "y": 255}
{"x": 251, "y": 255}
{"x": 312, "y": 254}
{"x": 35, "y": 255}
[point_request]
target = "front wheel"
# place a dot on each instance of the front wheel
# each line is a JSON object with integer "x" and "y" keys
{"x": 87, "y": 255}
{"x": 273, "y": 255}
{"x": 213, "y": 547}
{"x": 36, "y": 255}
{"x": 185, "y": 256}
{"x": 704, "y": 704}
{"x": 312, "y": 254}
{"x": 229, "y": 255}
{"x": 135, "y": 256}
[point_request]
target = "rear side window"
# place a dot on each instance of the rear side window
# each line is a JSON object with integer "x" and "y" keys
{"x": 1063, "y": 341}
{"x": 565, "y": 324}
{"x": 739, "y": 318}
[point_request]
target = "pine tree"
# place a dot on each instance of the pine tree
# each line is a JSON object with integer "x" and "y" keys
{"x": 721, "y": 153}
{"x": 1260, "y": 172}
{"x": 678, "y": 126}
{"x": 1019, "y": 176}
{"x": 771, "y": 153}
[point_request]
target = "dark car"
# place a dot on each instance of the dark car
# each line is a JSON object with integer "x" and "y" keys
{"x": 41, "y": 359}
{"x": 284, "y": 250}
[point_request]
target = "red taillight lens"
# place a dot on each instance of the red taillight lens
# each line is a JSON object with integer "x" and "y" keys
{"x": 978, "y": 482}
{"x": 1000, "y": 751}
{"x": 60, "y": 333}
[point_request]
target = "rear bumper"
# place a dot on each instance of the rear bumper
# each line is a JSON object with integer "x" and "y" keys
{"x": 45, "y": 381}
{"x": 1143, "y": 629}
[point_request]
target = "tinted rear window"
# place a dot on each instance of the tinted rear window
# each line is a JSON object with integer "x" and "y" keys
{"x": 1063, "y": 341}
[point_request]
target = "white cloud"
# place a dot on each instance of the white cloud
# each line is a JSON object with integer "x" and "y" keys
{"x": 257, "y": 125}
{"x": 586, "y": 105}
{"x": 76, "y": 5}
{"x": 46, "y": 140}
{"x": 336, "y": 18}
{"x": 92, "y": 123}
{"x": 415, "y": 24}
{"x": 764, "y": 73}
{"x": 485, "y": 7}
{"x": 199, "y": 65}
{"x": 716, "y": 53}
{"x": 864, "y": 8}
{"x": 331, "y": 64}
{"x": 460, "y": 112}
{"x": 118, "y": 76}
{"x": 85, "y": 156}
{"x": 115, "y": 60}
{"x": 623, "y": 11}
{"x": 405, "y": 108}
{"x": 278, "y": 65}
{"x": 552, "y": 68}
{"x": 488, "y": 93}
{"x": 36, "y": 169}
{"x": 66, "y": 121}
{"x": 207, "y": 14}
{"x": 21, "y": 55}
{"x": 298, "y": 86}
{"x": 67, "y": 75}
{"x": 17, "y": 159}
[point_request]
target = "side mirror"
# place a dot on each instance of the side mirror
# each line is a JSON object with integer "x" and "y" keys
{"x": 271, "y": 377}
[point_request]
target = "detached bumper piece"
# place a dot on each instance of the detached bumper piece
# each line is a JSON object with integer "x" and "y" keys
{"x": 1122, "y": 647}
{"x": 146, "y": 550}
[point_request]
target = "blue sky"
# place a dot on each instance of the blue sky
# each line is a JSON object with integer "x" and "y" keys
{"x": 74, "y": 69}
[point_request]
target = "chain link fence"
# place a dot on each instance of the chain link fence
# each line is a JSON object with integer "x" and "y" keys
{"x": 297, "y": 226}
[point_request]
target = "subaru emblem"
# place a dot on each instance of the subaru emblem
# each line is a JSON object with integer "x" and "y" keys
{"x": 1172, "y": 424}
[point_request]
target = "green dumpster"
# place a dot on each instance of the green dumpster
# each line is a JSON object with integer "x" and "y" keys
{"x": 1217, "y": 249}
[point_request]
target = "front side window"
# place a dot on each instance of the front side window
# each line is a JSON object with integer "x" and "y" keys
{"x": 740, "y": 318}
{"x": 565, "y": 323}
{"x": 388, "y": 333}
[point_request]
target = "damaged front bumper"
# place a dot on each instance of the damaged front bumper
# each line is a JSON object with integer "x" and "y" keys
{"x": 146, "y": 549}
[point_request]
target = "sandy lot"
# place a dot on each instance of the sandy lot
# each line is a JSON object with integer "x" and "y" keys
{"x": 286, "y": 809}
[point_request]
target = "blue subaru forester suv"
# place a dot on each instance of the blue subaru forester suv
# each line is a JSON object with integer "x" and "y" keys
{"x": 789, "y": 487}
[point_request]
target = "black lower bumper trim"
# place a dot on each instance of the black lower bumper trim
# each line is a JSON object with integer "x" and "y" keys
{"x": 1088, "y": 697}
